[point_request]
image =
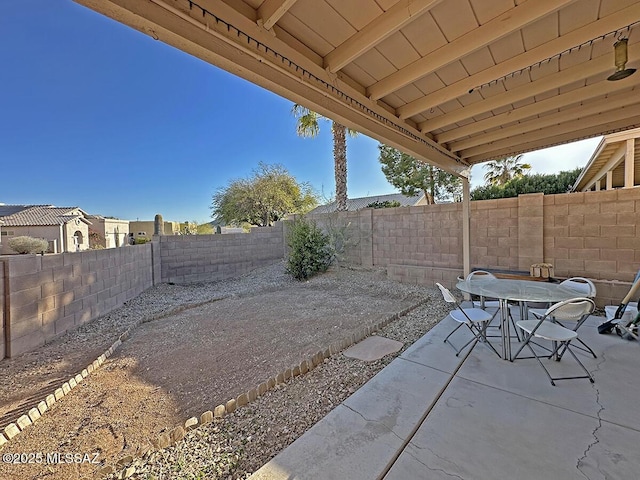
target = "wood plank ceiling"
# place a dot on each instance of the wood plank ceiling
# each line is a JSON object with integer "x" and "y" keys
{"x": 453, "y": 82}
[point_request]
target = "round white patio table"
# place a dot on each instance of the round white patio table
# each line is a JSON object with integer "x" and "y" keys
{"x": 521, "y": 291}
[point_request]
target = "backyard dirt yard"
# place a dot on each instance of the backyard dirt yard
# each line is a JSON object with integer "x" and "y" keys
{"x": 199, "y": 346}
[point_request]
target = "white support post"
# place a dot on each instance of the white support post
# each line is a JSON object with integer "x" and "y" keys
{"x": 466, "y": 246}
{"x": 629, "y": 175}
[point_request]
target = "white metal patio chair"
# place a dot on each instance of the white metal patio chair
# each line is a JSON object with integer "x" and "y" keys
{"x": 583, "y": 287}
{"x": 574, "y": 310}
{"x": 474, "y": 318}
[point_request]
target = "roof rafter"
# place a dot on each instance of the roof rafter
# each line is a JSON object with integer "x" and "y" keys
{"x": 502, "y": 25}
{"x": 574, "y": 96}
{"x": 569, "y": 115}
{"x": 621, "y": 124}
{"x": 402, "y": 13}
{"x": 547, "y": 50}
{"x": 630, "y": 111}
{"x": 598, "y": 66}
{"x": 272, "y": 10}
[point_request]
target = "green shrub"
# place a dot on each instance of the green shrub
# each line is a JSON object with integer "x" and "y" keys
{"x": 310, "y": 250}
{"x": 26, "y": 244}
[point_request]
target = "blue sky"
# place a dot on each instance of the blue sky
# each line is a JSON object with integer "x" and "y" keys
{"x": 97, "y": 115}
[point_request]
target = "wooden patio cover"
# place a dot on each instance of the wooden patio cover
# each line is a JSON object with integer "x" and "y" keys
{"x": 452, "y": 82}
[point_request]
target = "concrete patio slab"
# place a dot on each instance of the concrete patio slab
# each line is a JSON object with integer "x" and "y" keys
{"x": 372, "y": 348}
{"x": 400, "y": 396}
{"x": 340, "y": 444}
{"x": 431, "y": 351}
{"x": 431, "y": 415}
{"x": 368, "y": 430}
{"x": 480, "y": 432}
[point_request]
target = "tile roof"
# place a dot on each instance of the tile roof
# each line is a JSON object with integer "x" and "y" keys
{"x": 37, "y": 215}
{"x": 354, "y": 204}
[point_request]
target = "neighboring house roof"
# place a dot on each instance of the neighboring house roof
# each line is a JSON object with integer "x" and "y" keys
{"x": 39, "y": 215}
{"x": 610, "y": 156}
{"x": 354, "y": 204}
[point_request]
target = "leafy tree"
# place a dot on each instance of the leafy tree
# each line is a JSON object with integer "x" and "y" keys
{"x": 205, "y": 229}
{"x": 412, "y": 176}
{"x": 308, "y": 125}
{"x": 505, "y": 169}
{"x": 262, "y": 199}
{"x": 538, "y": 183}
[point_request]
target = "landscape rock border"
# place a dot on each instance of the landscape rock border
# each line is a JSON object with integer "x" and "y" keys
{"x": 140, "y": 311}
{"x": 11, "y": 430}
{"x": 307, "y": 364}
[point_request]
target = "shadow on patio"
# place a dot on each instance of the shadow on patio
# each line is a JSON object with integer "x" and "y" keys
{"x": 430, "y": 415}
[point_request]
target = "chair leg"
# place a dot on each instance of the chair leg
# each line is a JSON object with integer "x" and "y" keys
{"x": 565, "y": 347}
{"x": 584, "y": 348}
{"x": 478, "y": 334}
{"x": 541, "y": 364}
{"x": 452, "y": 332}
{"x": 581, "y": 365}
{"x": 515, "y": 328}
{"x": 525, "y": 343}
{"x": 482, "y": 332}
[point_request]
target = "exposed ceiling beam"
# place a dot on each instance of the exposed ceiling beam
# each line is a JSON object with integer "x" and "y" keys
{"x": 597, "y": 66}
{"x": 579, "y": 36}
{"x": 272, "y": 10}
{"x": 622, "y": 123}
{"x": 547, "y": 105}
{"x": 402, "y": 13}
{"x": 498, "y": 27}
{"x": 569, "y": 115}
{"x": 630, "y": 111}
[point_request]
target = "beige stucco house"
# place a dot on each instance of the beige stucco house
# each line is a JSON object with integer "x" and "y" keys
{"x": 65, "y": 228}
{"x": 614, "y": 164}
{"x": 145, "y": 228}
{"x": 108, "y": 232}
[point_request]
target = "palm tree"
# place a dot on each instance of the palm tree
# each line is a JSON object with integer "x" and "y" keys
{"x": 505, "y": 169}
{"x": 309, "y": 126}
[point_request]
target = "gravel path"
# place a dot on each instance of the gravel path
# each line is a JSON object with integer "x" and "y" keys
{"x": 238, "y": 444}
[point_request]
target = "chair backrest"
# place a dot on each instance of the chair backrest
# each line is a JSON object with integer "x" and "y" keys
{"x": 448, "y": 296}
{"x": 581, "y": 285}
{"x": 573, "y": 310}
{"x": 481, "y": 275}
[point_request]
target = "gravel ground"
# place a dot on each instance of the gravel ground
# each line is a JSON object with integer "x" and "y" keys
{"x": 27, "y": 379}
{"x": 235, "y": 446}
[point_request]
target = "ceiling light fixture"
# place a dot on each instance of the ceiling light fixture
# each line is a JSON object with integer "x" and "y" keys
{"x": 620, "y": 49}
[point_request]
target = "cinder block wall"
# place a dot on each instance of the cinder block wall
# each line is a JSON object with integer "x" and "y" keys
{"x": 51, "y": 294}
{"x": 494, "y": 232}
{"x": 592, "y": 234}
{"x": 198, "y": 258}
{"x": 54, "y": 293}
{"x": 2, "y": 317}
{"x": 595, "y": 235}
